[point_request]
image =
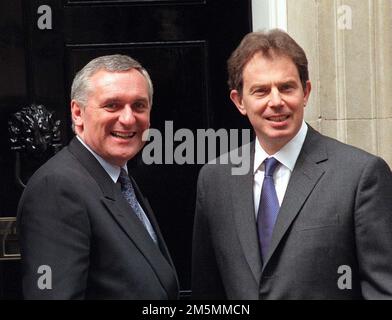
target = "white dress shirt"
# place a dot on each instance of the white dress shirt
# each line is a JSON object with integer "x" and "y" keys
{"x": 114, "y": 173}
{"x": 287, "y": 156}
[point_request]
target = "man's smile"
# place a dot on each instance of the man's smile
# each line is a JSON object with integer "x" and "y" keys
{"x": 279, "y": 118}
{"x": 123, "y": 135}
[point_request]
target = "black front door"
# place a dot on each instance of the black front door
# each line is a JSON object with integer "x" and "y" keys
{"x": 183, "y": 44}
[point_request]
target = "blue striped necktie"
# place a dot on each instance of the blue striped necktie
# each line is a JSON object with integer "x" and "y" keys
{"x": 129, "y": 194}
{"x": 268, "y": 207}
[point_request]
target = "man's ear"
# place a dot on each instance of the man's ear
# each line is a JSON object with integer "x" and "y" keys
{"x": 77, "y": 113}
{"x": 237, "y": 99}
{"x": 308, "y": 88}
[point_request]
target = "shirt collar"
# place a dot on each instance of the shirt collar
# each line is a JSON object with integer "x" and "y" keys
{"x": 287, "y": 155}
{"x": 112, "y": 171}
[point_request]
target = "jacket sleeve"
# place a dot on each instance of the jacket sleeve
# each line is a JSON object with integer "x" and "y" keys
{"x": 54, "y": 236}
{"x": 206, "y": 278}
{"x": 373, "y": 229}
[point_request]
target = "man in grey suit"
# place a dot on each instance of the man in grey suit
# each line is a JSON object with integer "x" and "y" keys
{"x": 312, "y": 219}
{"x": 86, "y": 231}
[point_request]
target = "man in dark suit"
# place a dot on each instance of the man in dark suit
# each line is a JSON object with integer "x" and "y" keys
{"x": 86, "y": 231}
{"x": 312, "y": 219}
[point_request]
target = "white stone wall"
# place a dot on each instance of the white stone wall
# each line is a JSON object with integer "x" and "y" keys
{"x": 350, "y": 68}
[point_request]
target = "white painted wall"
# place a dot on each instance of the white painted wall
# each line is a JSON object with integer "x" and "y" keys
{"x": 269, "y": 14}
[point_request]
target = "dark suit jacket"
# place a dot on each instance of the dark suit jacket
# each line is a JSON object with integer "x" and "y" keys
{"x": 337, "y": 211}
{"x": 73, "y": 218}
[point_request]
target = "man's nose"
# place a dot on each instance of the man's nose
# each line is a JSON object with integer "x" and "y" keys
{"x": 275, "y": 98}
{"x": 127, "y": 117}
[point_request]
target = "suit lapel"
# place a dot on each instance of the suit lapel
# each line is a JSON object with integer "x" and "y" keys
{"x": 244, "y": 215}
{"x": 119, "y": 208}
{"x": 304, "y": 178}
{"x": 149, "y": 212}
{"x": 137, "y": 233}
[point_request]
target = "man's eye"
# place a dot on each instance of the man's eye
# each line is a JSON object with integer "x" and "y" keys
{"x": 286, "y": 88}
{"x": 111, "y": 106}
{"x": 139, "y": 106}
{"x": 260, "y": 91}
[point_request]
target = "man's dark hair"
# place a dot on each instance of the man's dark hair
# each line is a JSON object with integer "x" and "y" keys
{"x": 270, "y": 43}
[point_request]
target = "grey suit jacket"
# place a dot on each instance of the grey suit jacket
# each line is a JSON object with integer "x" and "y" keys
{"x": 332, "y": 238}
{"x": 73, "y": 218}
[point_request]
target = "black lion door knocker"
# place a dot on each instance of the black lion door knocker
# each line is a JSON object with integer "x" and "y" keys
{"x": 35, "y": 137}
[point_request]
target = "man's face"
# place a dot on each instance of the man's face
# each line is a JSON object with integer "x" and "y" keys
{"x": 116, "y": 115}
{"x": 273, "y": 99}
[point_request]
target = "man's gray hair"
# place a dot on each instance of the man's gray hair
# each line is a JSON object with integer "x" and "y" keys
{"x": 112, "y": 63}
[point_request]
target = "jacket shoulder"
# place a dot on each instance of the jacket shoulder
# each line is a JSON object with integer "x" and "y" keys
{"x": 235, "y": 162}
{"x": 63, "y": 168}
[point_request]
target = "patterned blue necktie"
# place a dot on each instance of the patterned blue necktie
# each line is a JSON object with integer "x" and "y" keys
{"x": 268, "y": 207}
{"x": 129, "y": 194}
